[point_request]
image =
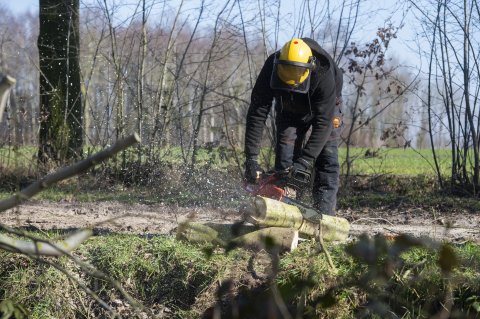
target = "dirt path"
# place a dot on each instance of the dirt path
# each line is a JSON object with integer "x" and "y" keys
{"x": 161, "y": 219}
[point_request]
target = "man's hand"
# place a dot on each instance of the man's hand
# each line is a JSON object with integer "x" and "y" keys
{"x": 252, "y": 170}
{"x": 300, "y": 174}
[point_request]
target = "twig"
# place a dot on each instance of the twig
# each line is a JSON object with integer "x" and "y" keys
{"x": 322, "y": 245}
{"x": 394, "y": 231}
{"x": 279, "y": 302}
{"x": 446, "y": 309}
{"x": 78, "y": 282}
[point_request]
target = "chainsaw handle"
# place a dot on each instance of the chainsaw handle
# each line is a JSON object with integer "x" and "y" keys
{"x": 266, "y": 186}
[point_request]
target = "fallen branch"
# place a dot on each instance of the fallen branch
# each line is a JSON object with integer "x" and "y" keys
{"x": 215, "y": 233}
{"x": 44, "y": 248}
{"x": 67, "y": 172}
{"x": 198, "y": 233}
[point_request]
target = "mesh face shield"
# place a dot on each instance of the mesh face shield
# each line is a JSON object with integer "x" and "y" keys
{"x": 290, "y": 75}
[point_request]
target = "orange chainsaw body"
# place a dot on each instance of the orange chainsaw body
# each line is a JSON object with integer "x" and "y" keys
{"x": 266, "y": 186}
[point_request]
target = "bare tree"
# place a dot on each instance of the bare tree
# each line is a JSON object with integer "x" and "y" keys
{"x": 453, "y": 75}
{"x": 367, "y": 66}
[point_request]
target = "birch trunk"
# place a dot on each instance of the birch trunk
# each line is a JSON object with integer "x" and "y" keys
{"x": 268, "y": 212}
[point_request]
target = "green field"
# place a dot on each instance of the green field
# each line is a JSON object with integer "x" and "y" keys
{"x": 396, "y": 161}
{"x": 393, "y": 161}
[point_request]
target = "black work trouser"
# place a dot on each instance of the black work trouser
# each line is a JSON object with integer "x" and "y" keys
{"x": 291, "y": 135}
{"x": 326, "y": 180}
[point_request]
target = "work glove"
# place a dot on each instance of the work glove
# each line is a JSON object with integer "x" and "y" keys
{"x": 300, "y": 174}
{"x": 252, "y": 170}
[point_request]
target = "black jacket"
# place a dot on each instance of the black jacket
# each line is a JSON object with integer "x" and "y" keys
{"x": 314, "y": 108}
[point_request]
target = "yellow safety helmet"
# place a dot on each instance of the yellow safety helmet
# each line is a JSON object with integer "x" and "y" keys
{"x": 292, "y": 66}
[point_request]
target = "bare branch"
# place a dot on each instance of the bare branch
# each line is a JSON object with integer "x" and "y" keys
{"x": 68, "y": 172}
{"x": 5, "y": 86}
{"x": 44, "y": 248}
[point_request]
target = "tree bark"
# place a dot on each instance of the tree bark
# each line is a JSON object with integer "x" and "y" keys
{"x": 212, "y": 232}
{"x": 61, "y": 112}
{"x": 268, "y": 212}
{"x": 271, "y": 239}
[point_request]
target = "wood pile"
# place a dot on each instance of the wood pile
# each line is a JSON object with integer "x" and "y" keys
{"x": 271, "y": 225}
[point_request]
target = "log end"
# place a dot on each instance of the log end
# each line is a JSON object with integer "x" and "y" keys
{"x": 334, "y": 228}
{"x": 260, "y": 207}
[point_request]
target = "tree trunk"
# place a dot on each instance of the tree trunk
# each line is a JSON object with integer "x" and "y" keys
{"x": 61, "y": 113}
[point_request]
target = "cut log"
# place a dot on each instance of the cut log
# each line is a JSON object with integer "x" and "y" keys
{"x": 197, "y": 233}
{"x": 272, "y": 239}
{"x": 228, "y": 232}
{"x": 269, "y": 212}
{"x": 214, "y": 233}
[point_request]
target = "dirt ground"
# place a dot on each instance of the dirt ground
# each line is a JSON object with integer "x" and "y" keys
{"x": 162, "y": 219}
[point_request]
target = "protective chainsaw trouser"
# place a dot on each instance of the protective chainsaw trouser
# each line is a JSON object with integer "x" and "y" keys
{"x": 326, "y": 180}
{"x": 291, "y": 136}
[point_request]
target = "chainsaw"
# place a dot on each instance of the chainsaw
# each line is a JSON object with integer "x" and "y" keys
{"x": 276, "y": 185}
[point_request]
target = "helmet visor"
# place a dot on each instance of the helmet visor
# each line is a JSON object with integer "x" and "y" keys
{"x": 291, "y": 76}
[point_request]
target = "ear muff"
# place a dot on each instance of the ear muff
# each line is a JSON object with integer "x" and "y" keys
{"x": 313, "y": 62}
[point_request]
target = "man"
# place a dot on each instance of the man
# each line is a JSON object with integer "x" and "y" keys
{"x": 304, "y": 84}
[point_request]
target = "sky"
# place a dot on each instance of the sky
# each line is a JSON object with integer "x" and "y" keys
{"x": 401, "y": 48}
{"x": 21, "y": 6}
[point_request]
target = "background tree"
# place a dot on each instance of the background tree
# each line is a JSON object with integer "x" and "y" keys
{"x": 453, "y": 87}
{"x": 368, "y": 69}
{"x": 60, "y": 92}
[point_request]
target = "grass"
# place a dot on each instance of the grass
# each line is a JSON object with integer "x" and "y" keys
{"x": 17, "y": 157}
{"x": 159, "y": 271}
{"x": 169, "y": 184}
{"x": 395, "y": 161}
{"x": 186, "y": 281}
